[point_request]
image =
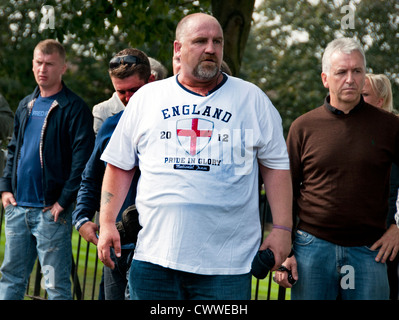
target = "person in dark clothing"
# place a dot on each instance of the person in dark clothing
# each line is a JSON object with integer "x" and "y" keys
{"x": 51, "y": 143}
{"x": 341, "y": 156}
{"x": 6, "y": 122}
{"x": 128, "y": 74}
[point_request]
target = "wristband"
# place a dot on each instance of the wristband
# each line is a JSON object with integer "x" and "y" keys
{"x": 276, "y": 226}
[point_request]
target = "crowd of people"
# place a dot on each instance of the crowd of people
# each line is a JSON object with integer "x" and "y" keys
{"x": 163, "y": 178}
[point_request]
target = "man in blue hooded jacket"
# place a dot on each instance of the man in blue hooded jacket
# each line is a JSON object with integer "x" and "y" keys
{"x": 129, "y": 68}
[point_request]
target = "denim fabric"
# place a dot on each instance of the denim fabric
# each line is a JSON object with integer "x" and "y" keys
{"x": 116, "y": 280}
{"x": 148, "y": 281}
{"x": 327, "y": 271}
{"x": 31, "y": 233}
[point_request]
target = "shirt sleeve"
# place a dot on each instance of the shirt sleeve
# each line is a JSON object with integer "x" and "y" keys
{"x": 121, "y": 150}
{"x": 272, "y": 151}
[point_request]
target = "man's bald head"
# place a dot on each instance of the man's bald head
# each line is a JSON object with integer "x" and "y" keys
{"x": 190, "y": 21}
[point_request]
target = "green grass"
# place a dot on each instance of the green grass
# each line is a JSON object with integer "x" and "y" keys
{"x": 263, "y": 288}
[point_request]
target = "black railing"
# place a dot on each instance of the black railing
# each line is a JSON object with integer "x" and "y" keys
{"x": 87, "y": 271}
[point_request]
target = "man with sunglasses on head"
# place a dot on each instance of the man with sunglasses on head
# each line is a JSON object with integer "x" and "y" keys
{"x": 125, "y": 81}
{"x": 129, "y": 70}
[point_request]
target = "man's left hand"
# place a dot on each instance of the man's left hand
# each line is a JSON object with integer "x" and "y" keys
{"x": 55, "y": 210}
{"x": 388, "y": 244}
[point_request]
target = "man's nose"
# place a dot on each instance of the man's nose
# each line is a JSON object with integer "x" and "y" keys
{"x": 129, "y": 95}
{"x": 210, "y": 47}
{"x": 349, "y": 77}
{"x": 43, "y": 68}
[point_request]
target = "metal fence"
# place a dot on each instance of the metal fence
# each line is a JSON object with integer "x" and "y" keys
{"x": 86, "y": 270}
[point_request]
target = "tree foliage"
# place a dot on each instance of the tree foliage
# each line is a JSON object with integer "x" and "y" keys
{"x": 235, "y": 17}
{"x": 92, "y": 31}
{"x": 283, "y": 55}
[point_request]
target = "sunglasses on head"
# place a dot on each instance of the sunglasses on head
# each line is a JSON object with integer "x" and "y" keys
{"x": 122, "y": 60}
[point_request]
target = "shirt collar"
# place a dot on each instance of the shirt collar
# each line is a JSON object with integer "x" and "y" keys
{"x": 209, "y": 92}
{"x": 337, "y": 111}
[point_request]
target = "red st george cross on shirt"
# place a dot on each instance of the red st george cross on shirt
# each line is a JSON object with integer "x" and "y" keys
{"x": 194, "y": 133}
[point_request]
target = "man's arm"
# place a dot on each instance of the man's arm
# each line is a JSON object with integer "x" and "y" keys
{"x": 278, "y": 189}
{"x": 89, "y": 195}
{"x": 81, "y": 136}
{"x": 115, "y": 187}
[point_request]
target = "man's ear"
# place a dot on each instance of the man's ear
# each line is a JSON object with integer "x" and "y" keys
{"x": 151, "y": 78}
{"x": 324, "y": 77}
{"x": 64, "y": 68}
{"x": 176, "y": 48}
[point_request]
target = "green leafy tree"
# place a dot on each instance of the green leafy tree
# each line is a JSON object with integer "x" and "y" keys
{"x": 283, "y": 55}
{"x": 235, "y": 16}
{"x": 94, "y": 30}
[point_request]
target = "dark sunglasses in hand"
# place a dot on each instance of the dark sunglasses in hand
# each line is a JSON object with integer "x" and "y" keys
{"x": 122, "y": 60}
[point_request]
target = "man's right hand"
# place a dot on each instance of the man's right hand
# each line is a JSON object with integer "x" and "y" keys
{"x": 109, "y": 238}
{"x": 7, "y": 198}
{"x": 281, "y": 277}
{"x": 89, "y": 232}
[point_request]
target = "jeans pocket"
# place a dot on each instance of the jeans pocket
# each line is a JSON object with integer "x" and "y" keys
{"x": 9, "y": 209}
{"x": 9, "y": 214}
{"x": 48, "y": 227}
{"x": 303, "y": 238}
{"x": 368, "y": 248}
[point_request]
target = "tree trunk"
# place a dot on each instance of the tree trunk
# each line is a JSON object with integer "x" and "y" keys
{"x": 235, "y": 16}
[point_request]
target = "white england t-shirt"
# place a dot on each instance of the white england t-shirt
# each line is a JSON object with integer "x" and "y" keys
{"x": 197, "y": 196}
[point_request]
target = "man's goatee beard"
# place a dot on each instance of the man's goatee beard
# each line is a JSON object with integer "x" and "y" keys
{"x": 203, "y": 73}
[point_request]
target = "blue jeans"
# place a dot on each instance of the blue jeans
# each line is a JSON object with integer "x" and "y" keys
{"x": 31, "y": 233}
{"x": 148, "y": 281}
{"x": 327, "y": 271}
{"x": 116, "y": 280}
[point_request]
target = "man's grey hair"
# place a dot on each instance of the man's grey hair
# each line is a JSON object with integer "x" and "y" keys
{"x": 344, "y": 45}
{"x": 158, "y": 69}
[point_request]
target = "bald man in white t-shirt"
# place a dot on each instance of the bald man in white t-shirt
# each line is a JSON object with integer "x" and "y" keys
{"x": 199, "y": 139}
